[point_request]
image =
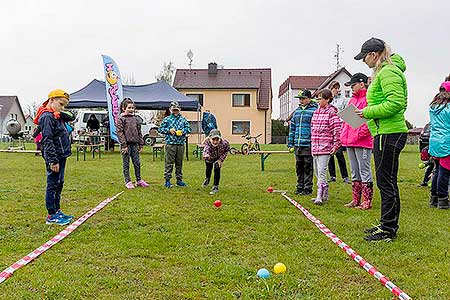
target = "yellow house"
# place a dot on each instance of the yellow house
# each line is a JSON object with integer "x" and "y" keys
{"x": 240, "y": 99}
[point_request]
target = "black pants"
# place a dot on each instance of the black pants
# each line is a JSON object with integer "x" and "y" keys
{"x": 386, "y": 152}
{"x": 439, "y": 185}
{"x": 133, "y": 152}
{"x": 304, "y": 169}
{"x": 55, "y": 184}
{"x": 428, "y": 171}
{"x": 341, "y": 161}
{"x": 209, "y": 167}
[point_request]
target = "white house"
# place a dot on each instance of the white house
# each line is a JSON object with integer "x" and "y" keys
{"x": 29, "y": 125}
{"x": 10, "y": 109}
{"x": 293, "y": 84}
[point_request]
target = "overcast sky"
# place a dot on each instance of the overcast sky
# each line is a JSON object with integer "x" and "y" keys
{"x": 57, "y": 44}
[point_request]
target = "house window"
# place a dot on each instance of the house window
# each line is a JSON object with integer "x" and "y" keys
{"x": 198, "y": 97}
{"x": 240, "y": 127}
{"x": 241, "y": 100}
{"x": 196, "y": 126}
{"x": 347, "y": 94}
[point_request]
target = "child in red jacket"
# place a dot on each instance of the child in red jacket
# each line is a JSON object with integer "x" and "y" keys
{"x": 325, "y": 141}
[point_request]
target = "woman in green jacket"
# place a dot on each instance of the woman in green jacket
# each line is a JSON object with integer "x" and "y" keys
{"x": 386, "y": 104}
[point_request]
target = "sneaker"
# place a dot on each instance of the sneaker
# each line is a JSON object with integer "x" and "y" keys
{"x": 332, "y": 179}
{"x": 181, "y": 183}
{"x": 63, "y": 215}
{"x": 142, "y": 183}
{"x": 205, "y": 182}
{"x": 347, "y": 180}
{"x": 372, "y": 229}
{"x": 168, "y": 184}
{"x": 129, "y": 185}
{"x": 318, "y": 201}
{"x": 215, "y": 190}
{"x": 56, "y": 219}
{"x": 298, "y": 192}
{"x": 380, "y": 236}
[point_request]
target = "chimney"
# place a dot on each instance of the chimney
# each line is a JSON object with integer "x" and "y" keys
{"x": 212, "y": 68}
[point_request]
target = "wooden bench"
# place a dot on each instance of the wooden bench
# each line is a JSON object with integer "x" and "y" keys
{"x": 266, "y": 154}
{"x": 157, "y": 148}
{"x": 94, "y": 147}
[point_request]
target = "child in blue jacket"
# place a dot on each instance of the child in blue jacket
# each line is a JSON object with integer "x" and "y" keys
{"x": 300, "y": 139}
{"x": 175, "y": 127}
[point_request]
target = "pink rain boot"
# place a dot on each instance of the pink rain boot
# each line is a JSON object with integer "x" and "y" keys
{"x": 325, "y": 192}
{"x": 318, "y": 199}
{"x": 356, "y": 194}
{"x": 367, "y": 195}
{"x": 129, "y": 185}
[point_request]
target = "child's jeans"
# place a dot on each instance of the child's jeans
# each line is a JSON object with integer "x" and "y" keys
{"x": 439, "y": 185}
{"x": 209, "y": 167}
{"x": 133, "y": 152}
{"x": 55, "y": 183}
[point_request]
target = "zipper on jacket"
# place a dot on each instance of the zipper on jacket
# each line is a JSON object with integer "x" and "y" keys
{"x": 300, "y": 130}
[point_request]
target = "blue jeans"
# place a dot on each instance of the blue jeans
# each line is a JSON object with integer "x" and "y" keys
{"x": 439, "y": 185}
{"x": 55, "y": 183}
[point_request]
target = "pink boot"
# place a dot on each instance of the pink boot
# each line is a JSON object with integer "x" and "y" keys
{"x": 129, "y": 185}
{"x": 367, "y": 194}
{"x": 142, "y": 183}
{"x": 356, "y": 194}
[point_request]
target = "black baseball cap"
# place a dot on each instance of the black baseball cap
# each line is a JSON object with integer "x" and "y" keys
{"x": 305, "y": 94}
{"x": 372, "y": 45}
{"x": 357, "y": 78}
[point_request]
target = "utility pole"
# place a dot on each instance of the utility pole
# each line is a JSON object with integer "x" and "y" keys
{"x": 337, "y": 55}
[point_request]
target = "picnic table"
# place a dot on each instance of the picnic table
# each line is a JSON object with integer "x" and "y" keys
{"x": 265, "y": 155}
{"x": 90, "y": 140}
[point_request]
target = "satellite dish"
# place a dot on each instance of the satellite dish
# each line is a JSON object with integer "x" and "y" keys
{"x": 13, "y": 127}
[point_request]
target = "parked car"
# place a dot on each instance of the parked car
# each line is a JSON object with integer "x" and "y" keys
{"x": 424, "y": 138}
{"x": 149, "y": 130}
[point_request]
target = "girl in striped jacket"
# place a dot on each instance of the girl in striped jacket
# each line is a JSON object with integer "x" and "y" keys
{"x": 325, "y": 141}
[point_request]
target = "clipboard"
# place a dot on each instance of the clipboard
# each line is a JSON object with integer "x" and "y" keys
{"x": 349, "y": 116}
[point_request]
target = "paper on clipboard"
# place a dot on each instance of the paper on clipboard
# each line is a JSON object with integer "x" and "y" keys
{"x": 349, "y": 116}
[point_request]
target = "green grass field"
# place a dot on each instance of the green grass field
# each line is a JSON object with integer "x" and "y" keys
{"x": 156, "y": 243}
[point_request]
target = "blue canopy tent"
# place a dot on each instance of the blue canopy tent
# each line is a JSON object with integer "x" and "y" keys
{"x": 153, "y": 96}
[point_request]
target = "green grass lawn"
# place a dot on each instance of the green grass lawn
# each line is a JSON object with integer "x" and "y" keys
{"x": 156, "y": 243}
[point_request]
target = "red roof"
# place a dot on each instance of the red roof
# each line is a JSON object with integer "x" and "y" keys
{"x": 301, "y": 82}
{"x": 260, "y": 79}
{"x": 309, "y": 82}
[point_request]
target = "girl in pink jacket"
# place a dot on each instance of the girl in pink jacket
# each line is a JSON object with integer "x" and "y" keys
{"x": 325, "y": 141}
{"x": 359, "y": 143}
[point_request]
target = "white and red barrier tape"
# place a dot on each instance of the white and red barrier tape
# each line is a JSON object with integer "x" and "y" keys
{"x": 56, "y": 239}
{"x": 350, "y": 252}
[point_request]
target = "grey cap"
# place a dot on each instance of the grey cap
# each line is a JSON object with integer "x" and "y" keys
{"x": 174, "y": 105}
{"x": 215, "y": 133}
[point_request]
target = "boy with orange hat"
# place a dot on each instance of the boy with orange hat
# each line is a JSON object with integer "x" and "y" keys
{"x": 55, "y": 150}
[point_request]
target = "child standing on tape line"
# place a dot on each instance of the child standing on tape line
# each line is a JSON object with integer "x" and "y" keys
{"x": 55, "y": 150}
{"x": 215, "y": 152}
{"x": 325, "y": 141}
{"x": 175, "y": 127}
{"x": 131, "y": 143}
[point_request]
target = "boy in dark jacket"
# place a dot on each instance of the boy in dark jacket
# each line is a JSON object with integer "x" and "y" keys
{"x": 215, "y": 152}
{"x": 55, "y": 150}
{"x": 300, "y": 139}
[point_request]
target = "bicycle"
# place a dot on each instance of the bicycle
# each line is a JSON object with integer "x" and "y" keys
{"x": 250, "y": 145}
